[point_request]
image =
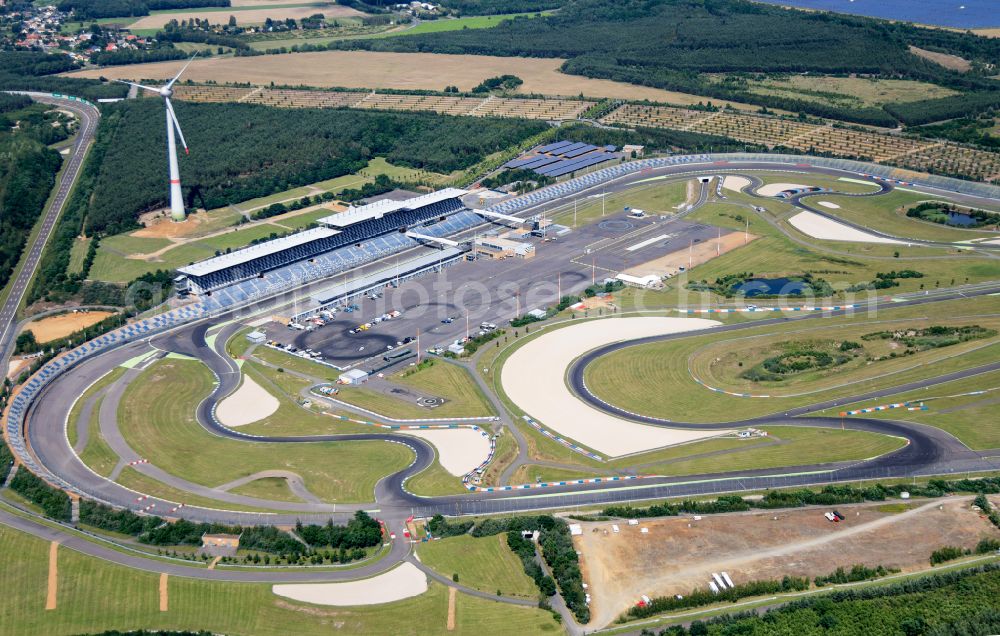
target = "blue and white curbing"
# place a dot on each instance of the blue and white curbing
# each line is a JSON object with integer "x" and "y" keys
{"x": 740, "y": 310}
{"x": 565, "y": 442}
{"x": 909, "y": 406}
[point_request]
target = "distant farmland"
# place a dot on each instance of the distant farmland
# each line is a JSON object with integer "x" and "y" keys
{"x": 408, "y": 71}
{"x": 244, "y": 15}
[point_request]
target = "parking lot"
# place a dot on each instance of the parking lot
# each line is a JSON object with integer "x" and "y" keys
{"x": 448, "y": 305}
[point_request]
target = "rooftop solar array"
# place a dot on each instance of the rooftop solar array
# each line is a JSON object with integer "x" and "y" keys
{"x": 248, "y": 254}
{"x": 570, "y": 148}
{"x": 557, "y": 145}
{"x": 387, "y": 206}
{"x": 551, "y": 159}
{"x": 566, "y": 167}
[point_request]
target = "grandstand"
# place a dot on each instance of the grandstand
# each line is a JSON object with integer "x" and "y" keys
{"x": 345, "y": 240}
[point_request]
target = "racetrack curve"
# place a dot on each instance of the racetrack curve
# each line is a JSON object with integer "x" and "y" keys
{"x": 929, "y": 450}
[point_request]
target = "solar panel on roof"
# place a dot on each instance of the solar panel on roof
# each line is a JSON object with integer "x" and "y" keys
{"x": 567, "y": 167}
{"x": 579, "y": 151}
{"x": 555, "y": 146}
{"x": 569, "y": 148}
{"x": 517, "y": 163}
{"x": 539, "y": 162}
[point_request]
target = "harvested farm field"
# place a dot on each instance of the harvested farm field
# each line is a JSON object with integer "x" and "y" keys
{"x": 245, "y": 16}
{"x": 368, "y": 69}
{"x": 677, "y": 555}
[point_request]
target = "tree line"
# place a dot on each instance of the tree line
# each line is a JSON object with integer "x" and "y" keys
{"x": 96, "y": 9}
{"x": 243, "y": 151}
{"x": 957, "y": 603}
{"x": 28, "y": 170}
{"x": 670, "y": 43}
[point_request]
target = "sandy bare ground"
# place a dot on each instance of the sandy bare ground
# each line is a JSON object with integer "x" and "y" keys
{"x": 396, "y": 584}
{"x": 774, "y": 189}
{"x": 452, "y": 592}
{"x": 735, "y": 183}
{"x": 164, "y": 595}
{"x": 14, "y": 367}
{"x": 53, "y": 584}
{"x": 459, "y": 449}
{"x": 534, "y": 379}
{"x": 828, "y": 204}
{"x": 368, "y": 69}
{"x": 951, "y": 62}
{"x": 670, "y": 264}
{"x": 249, "y": 403}
{"x": 246, "y": 16}
{"x": 820, "y": 227}
{"x": 55, "y": 327}
{"x": 679, "y": 554}
{"x": 162, "y": 227}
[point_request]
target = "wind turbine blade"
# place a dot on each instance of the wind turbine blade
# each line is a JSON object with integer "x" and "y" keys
{"x": 142, "y": 86}
{"x": 177, "y": 125}
{"x": 179, "y": 73}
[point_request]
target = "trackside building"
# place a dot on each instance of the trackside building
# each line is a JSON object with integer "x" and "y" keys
{"x": 348, "y": 238}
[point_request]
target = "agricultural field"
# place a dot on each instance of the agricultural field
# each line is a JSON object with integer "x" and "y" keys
{"x": 93, "y": 596}
{"x": 841, "y": 91}
{"x": 364, "y": 69}
{"x": 244, "y": 15}
{"x": 156, "y": 418}
{"x": 916, "y": 154}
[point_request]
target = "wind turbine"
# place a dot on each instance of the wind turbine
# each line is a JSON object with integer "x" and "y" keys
{"x": 166, "y": 91}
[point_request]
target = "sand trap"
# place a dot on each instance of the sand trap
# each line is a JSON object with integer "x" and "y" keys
{"x": 248, "y": 404}
{"x": 534, "y": 378}
{"x": 774, "y": 189}
{"x": 402, "y": 582}
{"x": 62, "y": 325}
{"x": 459, "y": 449}
{"x": 827, "y": 204}
{"x": 735, "y": 183}
{"x": 821, "y": 227}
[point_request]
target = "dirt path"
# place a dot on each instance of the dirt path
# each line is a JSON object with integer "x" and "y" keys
{"x": 215, "y": 561}
{"x": 164, "y": 598}
{"x": 452, "y": 592}
{"x": 50, "y": 597}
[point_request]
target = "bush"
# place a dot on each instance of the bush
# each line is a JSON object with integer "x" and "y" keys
{"x": 53, "y": 502}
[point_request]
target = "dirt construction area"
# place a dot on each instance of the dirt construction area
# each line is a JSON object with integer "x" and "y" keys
{"x": 54, "y": 327}
{"x": 677, "y": 555}
{"x": 672, "y": 263}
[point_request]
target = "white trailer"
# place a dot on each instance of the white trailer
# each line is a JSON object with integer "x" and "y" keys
{"x": 729, "y": 581}
{"x": 719, "y": 581}
{"x": 712, "y": 586}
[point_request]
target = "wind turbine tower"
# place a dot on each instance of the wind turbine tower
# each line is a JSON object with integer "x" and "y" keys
{"x": 173, "y": 126}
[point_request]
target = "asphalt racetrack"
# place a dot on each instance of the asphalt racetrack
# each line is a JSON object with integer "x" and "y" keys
{"x": 928, "y": 451}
